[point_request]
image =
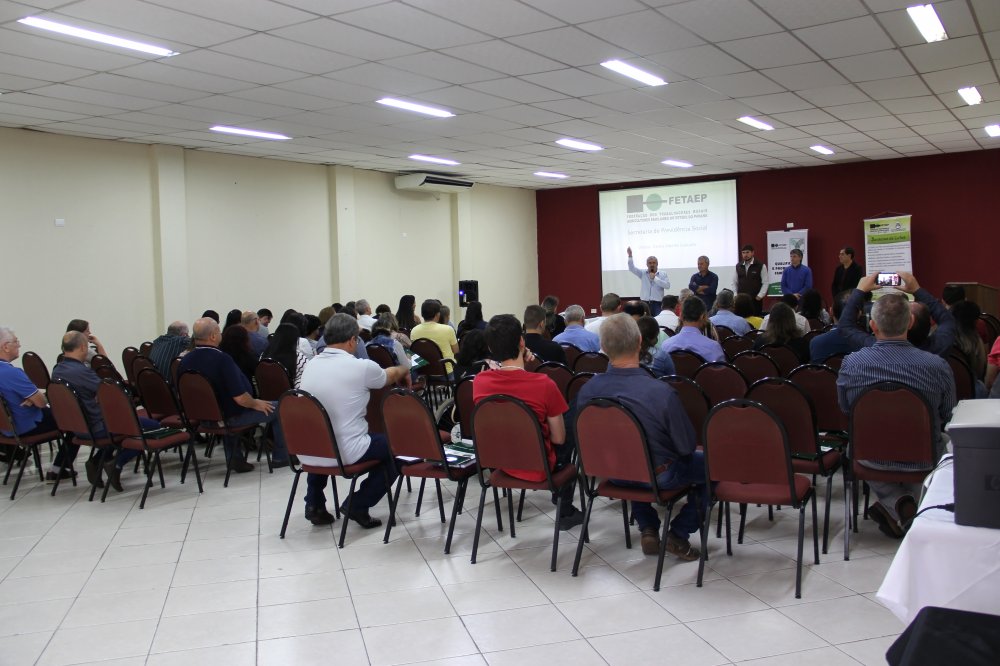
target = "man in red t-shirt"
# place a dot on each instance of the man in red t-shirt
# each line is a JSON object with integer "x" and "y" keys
{"x": 537, "y": 391}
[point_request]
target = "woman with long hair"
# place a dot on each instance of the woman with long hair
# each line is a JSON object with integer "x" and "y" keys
{"x": 554, "y": 322}
{"x": 471, "y": 350}
{"x": 782, "y": 329}
{"x": 382, "y": 336}
{"x": 232, "y": 319}
{"x": 967, "y": 338}
{"x": 406, "y": 315}
{"x": 283, "y": 348}
{"x": 811, "y": 307}
{"x": 650, "y": 331}
{"x": 236, "y": 342}
{"x": 473, "y": 319}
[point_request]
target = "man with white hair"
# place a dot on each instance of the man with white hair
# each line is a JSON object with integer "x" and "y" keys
{"x": 365, "y": 318}
{"x": 250, "y": 320}
{"x": 169, "y": 346}
{"x": 575, "y": 334}
{"x": 652, "y": 282}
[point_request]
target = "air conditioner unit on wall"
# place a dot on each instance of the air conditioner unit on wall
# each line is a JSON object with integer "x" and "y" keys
{"x": 431, "y": 182}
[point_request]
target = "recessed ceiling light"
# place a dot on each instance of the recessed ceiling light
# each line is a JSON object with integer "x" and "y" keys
{"x": 993, "y": 130}
{"x": 927, "y": 22}
{"x": 970, "y": 95}
{"x": 578, "y": 145}
{"x": 249, "y": 132}
{"x": 633, "y": 73}
{"x": 822, "y": 150}
{"x": 550, "y": 174}
{"x": 96, "y": 36}
{"x": 753, "y": 122}
{"x": 435, "y": 160}
{"x": 677, "y": 163}
{"x": 418, "y": 108}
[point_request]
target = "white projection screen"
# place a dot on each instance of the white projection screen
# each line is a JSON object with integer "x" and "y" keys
{"x": 676, "y": 224}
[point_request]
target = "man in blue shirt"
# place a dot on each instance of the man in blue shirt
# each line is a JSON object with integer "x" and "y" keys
{"x": 652, "y": 282}
{"x": 704, "y": 283}
{"x": 795, "y": 279}
{"x": 690, "y": 337}
{"x": 835, "y": 341}
{"x": 668, "y": 432}
{"x": 726, "y": 317}
{"x": 575, "y": 334}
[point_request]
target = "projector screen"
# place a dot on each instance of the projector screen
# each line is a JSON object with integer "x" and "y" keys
{"x": 676, "y": 224}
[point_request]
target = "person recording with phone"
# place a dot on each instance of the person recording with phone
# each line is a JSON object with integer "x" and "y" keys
{"x": 653, "y": 282}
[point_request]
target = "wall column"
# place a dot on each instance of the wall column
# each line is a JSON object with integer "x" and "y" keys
{"x": 170, "y": 252}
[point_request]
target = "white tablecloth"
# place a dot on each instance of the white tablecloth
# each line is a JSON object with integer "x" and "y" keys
{"x": 943, "y": 564}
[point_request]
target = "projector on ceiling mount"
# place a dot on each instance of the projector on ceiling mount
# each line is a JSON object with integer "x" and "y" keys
{"x": 432, "y": 182}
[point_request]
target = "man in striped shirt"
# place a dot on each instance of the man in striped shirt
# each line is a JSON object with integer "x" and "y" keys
{"x": 893, "y": 358}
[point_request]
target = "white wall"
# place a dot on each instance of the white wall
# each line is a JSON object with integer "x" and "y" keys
{"x": 158, "y": 233}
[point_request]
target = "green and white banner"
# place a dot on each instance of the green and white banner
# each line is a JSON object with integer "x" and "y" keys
{"x": 779, "y": 244}
{"x": 887, "y": 244}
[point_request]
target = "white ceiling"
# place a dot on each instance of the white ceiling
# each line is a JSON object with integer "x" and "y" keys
{"x": 853, "y": 75}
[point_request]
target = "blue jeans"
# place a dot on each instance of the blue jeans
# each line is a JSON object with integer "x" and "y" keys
{"x": 371, "y": 490}
{"x": 251, "y": 417}
{"x": 680, "y": 473}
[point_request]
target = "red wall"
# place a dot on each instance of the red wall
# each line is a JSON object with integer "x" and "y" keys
{"x": 951, "y": 199}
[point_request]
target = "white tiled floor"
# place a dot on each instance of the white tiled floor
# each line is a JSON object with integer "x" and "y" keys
{"x": 197, "y": 579}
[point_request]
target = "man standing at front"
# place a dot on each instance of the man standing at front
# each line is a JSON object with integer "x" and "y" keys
{"x": 848, "y": 272}
{"x": 751, "y": 278}
{"x": 652, "y": 282}
{"x": 797, "y": 277}
{"x": 668, "y": 432}
{"x": 342, "y": 382}
{"x": 704, "y": 283}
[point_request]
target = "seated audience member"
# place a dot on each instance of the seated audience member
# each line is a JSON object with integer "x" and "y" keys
{"x": 473, "y": 319}
{"x": 235, "y": 393}
{"x": 264, "y": 318}
{"x": 324, "y": 314}
{"x": 361, "y": 349}
{"x": 892, "y": 358}
{"x": 825, "y": 345}
{"x": 85, "y": 381}
{"x": 743, "y": 307}
{"x": 94, "y": 346}
{"x": 236, "y": 342}
{"x": 342, "y": 382}
{"x": 432, "y": 329}
{"x": 783, "y": 330}
{"x": 365, "y": 318}
{"x": 993, "y": 366}
{"x": 250, "y": 320}
{"x": 611, "y": 303}
{"x": 537, "y": 391}
{"x": 382, "y": 308}
{"x": 233, "y": 318}
{"x": 389, "y": 319}
{"x": 472, "y": 349}
{"x": 554, "y": 322}
{"x": 284, "y": 348}
{"x": 725, "y": 316}
{"x": 314, "y": 329}
{"x": 635, "y": 309}
{"x": 967, "y": 340}
{"x": 575, "y": 334}
{"x": 650, "y": 332}
{"x": 405, "y": 314}
{"x": 299, "y": 321}
{"x": 811, "y": 307}
{"x": 668, "y": 316}
{"x": 668, "y": 431}
{"x": 791, "y": 301}
{"x": 382, "y": 337}
{"x": 212, "y": 314}
{"x": 446, "y": 316}
{"x": 690, "y": 338}
{"x": 534, "y": 336}
{"x": 29, "y": 408}
{"x": 924, "y": 307}
{"x": 952, "y": 294}
{"x": 169, "y": 346}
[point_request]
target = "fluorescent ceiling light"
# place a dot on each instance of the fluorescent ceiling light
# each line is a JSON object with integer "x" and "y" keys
{"x": 927, "y": 22}
{"x": 633, "y": 73}
{"x": 96, "y": 36}
{"x": 970, "y": 95}
{"x": 677, "y": 163}
{"x": 549, "y": 174}
{"x": 993, "y": 130}
{"x": 418, "y": 108}
{"x": 249, "y": 132}
{"x": 753, "y": 122}
{"x": 822, "y": 150}
{"x": 578, "y": 145}
{"x": 435, "y": 160}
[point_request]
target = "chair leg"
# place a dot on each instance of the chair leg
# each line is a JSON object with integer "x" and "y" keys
{"x": 336, "y": 496}
{"x": 150, "y": 471}
{"x": 420, "y": 497}
{"x": 520, "y": 506}
{"x": 826, "y": 513}
{"x": 743, "y": 523}
{"x": 388, "y": 522}
{"x": 663, "y": 547}
{"x": 350, "y": 502}
{"x": 510, "y": 513}
{"x": 437, "y": 484}
{"x": 847, "y": 519}
{"x": 392, "y": 504}
{"x": 479, "y": 522}
{"x": 496, "y": 505}
{"x": 815, "y": 530}
{"x": 409, "y": 488}
{"x": 770, "y": 513}
{"x": 455, "y": 507}
{"x": 10, "y": 466}
{"x": 229, "y": 466}
{"x": 38, "y": 464}
{"x": 579, "y": 544}
{"x": 706, "y": 525}
{"x": 159, "y": 467}
{"x": 729, "y": 533}
{"x": 193, "y": 455}
{"x": 93, "y": 489}
{"x": 867, "y": 491}
{"x": 798, "y": 560}
{"x": 20, "y": 473}
{"x": 291, "y": 500}
{"x": 628, "y": 532}
{"x": 718, "y": 528}
{"x": 555, "y": 538}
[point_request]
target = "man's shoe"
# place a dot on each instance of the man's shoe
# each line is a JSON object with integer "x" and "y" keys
{"x": 570, "y": 520}
{"x": 318, "y": 515}
{"x": 362, "y": 518}
{"x": 278, "y": 464}
{"x": 242, "y": 467}
{"x": 906, "y": 509}
{"x": 682, "y": 548}
{"x": 650, "y": 540}
{"x": 887, "y": 525}
{"x": 114, "y": 475}
{"x": 64, "y": 474}
{"x": 93, "y": 473}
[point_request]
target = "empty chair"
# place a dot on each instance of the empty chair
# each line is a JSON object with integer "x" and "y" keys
{"x": 724, "y": 332}
{"x": 558, "y": 373}
{"x": 721, "y": 381}
{"x": 437, "y": 373}
{"x": 145, "y": 348}
{"x": 686, "y": 363}
{"x": 783, "y": 356}
{"x": 756, "y": 365}
{"x": 129, "y": 354}
{"x": 591, "y": 362}
{"x": 819, "y": 382}
{"x": 159, "y": 401}
{"x": 695, "y": 401}
{"x": 735, "y": 344}
{"x": 34, "y": 367}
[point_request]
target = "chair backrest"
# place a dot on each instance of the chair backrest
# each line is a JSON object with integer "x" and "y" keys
{"x": 105, "y": 369}
{"x": 812, "y": 334}
{"x": 815, "y": 324}
{"x": 465, "y": 404}
{"x": 365, "y": 335}
{"x": 100, "y": 361}
{"x": 612, "y": 443}
{"x": 786, "y": 359}
{"x": 380, "y": 355}
{"x": 834, "y": 361}
{"x": 693, "y": 398}
{"x": 668, "y": 331}
{"x": 756, "y": 365}
{"x": 793, "y": 408}
{"x": 686, "y": 363}
{"x": 558, "y": 373}
{"x": 145, "y": 348}
{"x": 6, "y": 421}
{"x": 746, "y": 443}
{"x": 721, "y": 381}
{"x": 117, "y": 409}
{"x": 735, "y": 344}
{"x": 724, "y": 331}
{"x": 175, "y": 369}
{"x": 572, "y": 351}
{"x": 373, "y": 412}
{"x": 198, "y": 398}
{"x": 157, "y": 397}
{"x": 129, "y": 354}
{"x": 753, "y": 334}
{"x": 819, "y": 382}
{"x": 67, "y": 410}
{"x": 429, "y": 351}
{"x": 272, "y": 379}
{"x": 989, "y": 328}
{"x": 575, "y": 384}
{"x": 306, "y": 426}
{"x": 507, "y": 435}
{"x": 533, "y": 363}
{"x": 965, "y": 382}
{"x": 891, "y": 421}
{"x": 596, "y": 362}
{"x": 140, "y": 363}
{"x": 410, "y": 426}
{"x": 34, "y": 367}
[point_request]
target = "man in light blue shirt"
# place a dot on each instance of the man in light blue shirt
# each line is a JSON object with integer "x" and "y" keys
{"x": 652, "y": 282}
{"x": 690, "y": 337}
{"x": 797, "y": 277}
{"x": 575, "y": 334}
{"x": 725, "y": 316}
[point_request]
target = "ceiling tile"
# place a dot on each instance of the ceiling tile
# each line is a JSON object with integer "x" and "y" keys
{"x": 525, "y": 114}
{"x": 466, "y": 99}
{"x": 399, "y": 21}
{"x": 285, "y": 98}
{"x": 516, "y": 90}
{"x": 834, "y": 95}
{"x": 699, "y": 61}
{"x": 160, "y": 72}
{"x": 343, "y": 38}
{"x": 725, "y": 110}
{"x": 778, "y": 103}
{"x": 913, "y": 104}
{"x": 855, "y": 111}
{"x": 88, "y": 96}
{"x": 939, "y": 128}
{"x": 628, "y": 101}
{"x": 516, "y": 61}
{"x": 872, "y": 66}
{"x": 926, "y": 118}
{"x": 500, "y": 19}
{"x": 804, "y": 77}
{"x": 807, "y": 117}
{"x": 568, "y": 45}
{"x": 10, "y": 82}
{"x": 746, "y": 84}
{"x": 243, "y": 106}
{"x": 742, "y": 19}
{"x": 320, "y": 86}
{"x": 684, "y": 93}
{"x": 642, "y": 33}
{"x": 960, "y": 77}
{"x": 21, "y": 41}
{"x": 125, "y": 85}
{"x": 389, "y": 80}
{"x": 573, "y": 82}
{"x": 229, "y": 66}
{"x": 576, "y": 108}
{"x": 250, "y": 14}
{"x": 846, "y": 38}
{"x": 802, "y": 13}
{"x": 878, "y": 123}
{"x": 947, "y": 54}
{"x": 42, "y": 71}
{"x": 775, "y": 50}
{"x": 286, "y": 53}
{"x": 992, "y": 40}
{"x": 906, "y": 86}
{"x": 446, "y": 68}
